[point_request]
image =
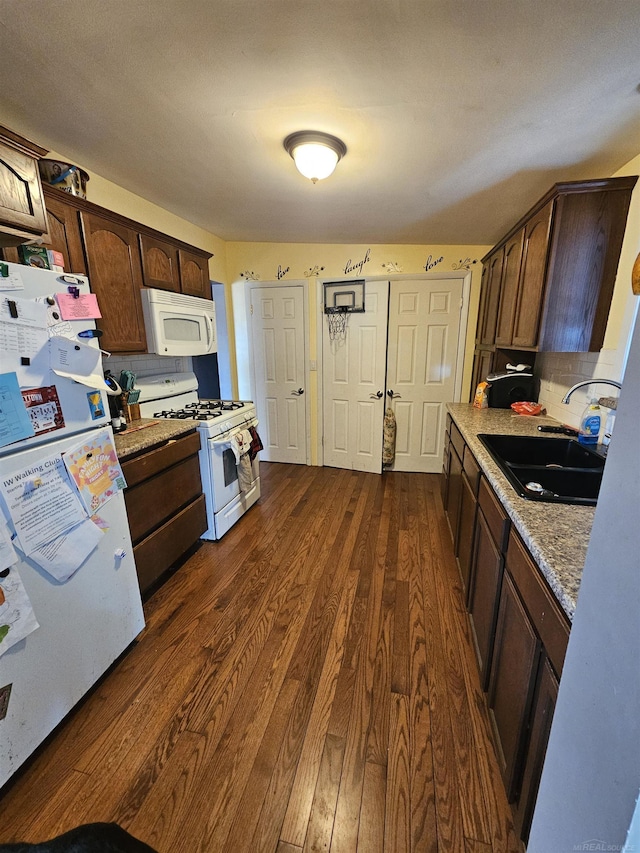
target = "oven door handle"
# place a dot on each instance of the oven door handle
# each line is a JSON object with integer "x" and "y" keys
{"x": 226, "y": 439}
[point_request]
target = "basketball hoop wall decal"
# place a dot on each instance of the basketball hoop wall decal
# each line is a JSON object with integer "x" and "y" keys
{"x": 342, "y": 298}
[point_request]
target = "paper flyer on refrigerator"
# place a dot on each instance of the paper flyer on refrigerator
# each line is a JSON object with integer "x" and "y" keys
{"x": 80, "y": 362}
{"x": 63, "y": 556}
{"x": 94, "y": 466}
{"x": 42, "y": 502}
{"x": 15, "y": 423}
{"x": 43, "y": 407}
{"x": 17, "y": 619}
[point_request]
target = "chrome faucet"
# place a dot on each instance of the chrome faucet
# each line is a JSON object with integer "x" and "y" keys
{"x": 567, "y": 396}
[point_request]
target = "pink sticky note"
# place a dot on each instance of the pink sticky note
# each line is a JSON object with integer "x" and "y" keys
{"x": 83, "y": 307}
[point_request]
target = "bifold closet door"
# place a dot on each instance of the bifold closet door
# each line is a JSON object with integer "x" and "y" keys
{"x": 424, "y": 325}
{"x": 354, "y": 385}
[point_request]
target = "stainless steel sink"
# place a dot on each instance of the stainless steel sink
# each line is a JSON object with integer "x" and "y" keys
{"x": 555, "y": 470}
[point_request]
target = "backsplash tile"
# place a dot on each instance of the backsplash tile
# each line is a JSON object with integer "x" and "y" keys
{"x": 145, "y": 365}
{"x": 558, "y": 371}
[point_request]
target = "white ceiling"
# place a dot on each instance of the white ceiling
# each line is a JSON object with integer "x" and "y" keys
{"x": 457, "y": 114}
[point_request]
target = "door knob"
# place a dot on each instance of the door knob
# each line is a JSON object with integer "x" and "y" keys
{"x": 376, "y": 396}
{"x": 299, "y": 392}
{"x": 391, "y": 394}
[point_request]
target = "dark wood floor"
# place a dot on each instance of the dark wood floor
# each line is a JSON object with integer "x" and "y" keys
{"x": 306, "y": 684}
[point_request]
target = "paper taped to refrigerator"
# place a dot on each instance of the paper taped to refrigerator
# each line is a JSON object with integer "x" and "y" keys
{"x": 23, "y": 339}
{"x": 12, "y": 280}
{"x": 15, "y": 423}
{"x": 43, "y": 408}
{"x": 63, "y": 556}
{"x": 81, "y": 307}
{"x": 76, "y": 361}
{"x": 42, "y": 502}
{"x": 94, "y": 466}
{"x": 17, "y": 619}
{"x": 8, "y": 554}
{"x": 23, "y": 312}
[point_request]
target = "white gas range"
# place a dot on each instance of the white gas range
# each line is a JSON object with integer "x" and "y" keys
{"x": 222, "y": 424}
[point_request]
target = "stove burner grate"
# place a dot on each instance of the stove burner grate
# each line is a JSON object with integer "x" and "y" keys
{"x": 202, "y": 410}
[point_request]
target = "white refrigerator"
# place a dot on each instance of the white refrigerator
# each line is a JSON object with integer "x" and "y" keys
{"x": 88, "y": 620}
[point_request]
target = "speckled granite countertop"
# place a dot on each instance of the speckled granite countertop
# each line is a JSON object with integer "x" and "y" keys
{"x": 557, "y": 535}
{"x": 146, "y": 433}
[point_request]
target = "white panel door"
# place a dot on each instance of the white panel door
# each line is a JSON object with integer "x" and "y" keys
{"x": 353, "y": 386}
{"x": 424, "y": 325}
{"x": 277, "y": 327}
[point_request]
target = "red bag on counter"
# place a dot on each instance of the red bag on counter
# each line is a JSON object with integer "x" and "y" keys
{"x": 527, "y": 408}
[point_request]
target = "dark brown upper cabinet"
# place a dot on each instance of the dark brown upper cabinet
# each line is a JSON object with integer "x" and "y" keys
{"x": 22, "y": 211}
{"x": 120, "y": 256}
{"x": 115, "y": 274}
{"x": 65, "y": 234}
{"x": 490, "y": 298}
{"x": 159, "y": 263}
{"x": 555, "y": 270}
{"x": 512, "y": 260}
{"x": 194, "y": 274}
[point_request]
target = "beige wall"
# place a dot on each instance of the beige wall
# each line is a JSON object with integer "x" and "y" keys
{"x": 310, "y": 263}
{"x": 313, "y": 261}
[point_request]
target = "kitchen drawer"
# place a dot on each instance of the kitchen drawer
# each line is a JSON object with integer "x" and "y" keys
{"x": 160, "y": 550}
{"x": 456, "y": 439}
{"x": 151, "y": 502}
{"x": 497, "y": 519}
{"x": 471, "y": 469}
{"x": 147, "y": 464}
{"x": 548, "y": 619}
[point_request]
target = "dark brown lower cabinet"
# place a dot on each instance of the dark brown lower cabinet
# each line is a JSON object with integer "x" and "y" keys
{"x": 484, "y": 594}
{"x": 452, "y": 506}
{"x": 544, "y": 704}
{"x": 444, "y": 483}
{"x": 516, "y": 654}
{"x": 165, "y": 505}
{"x": 466, "y": 526}
{"x": 487, "y": 565}
{"x": 520, "y": 631}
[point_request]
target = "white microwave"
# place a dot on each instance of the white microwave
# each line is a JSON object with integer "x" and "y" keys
{"x": 178, "y": 324}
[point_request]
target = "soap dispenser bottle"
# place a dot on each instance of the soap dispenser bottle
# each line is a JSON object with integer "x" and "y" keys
{"x": 608, "y": 427}
{"x": 590, "y": 423}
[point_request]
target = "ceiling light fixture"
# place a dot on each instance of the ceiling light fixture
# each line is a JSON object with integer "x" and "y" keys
{"x": 315, "y": 154}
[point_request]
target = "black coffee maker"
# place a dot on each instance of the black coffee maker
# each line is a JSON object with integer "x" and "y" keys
{"x": 514, "y": 385}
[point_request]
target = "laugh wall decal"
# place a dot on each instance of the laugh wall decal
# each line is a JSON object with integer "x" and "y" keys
{"x": 357, "y": 266}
